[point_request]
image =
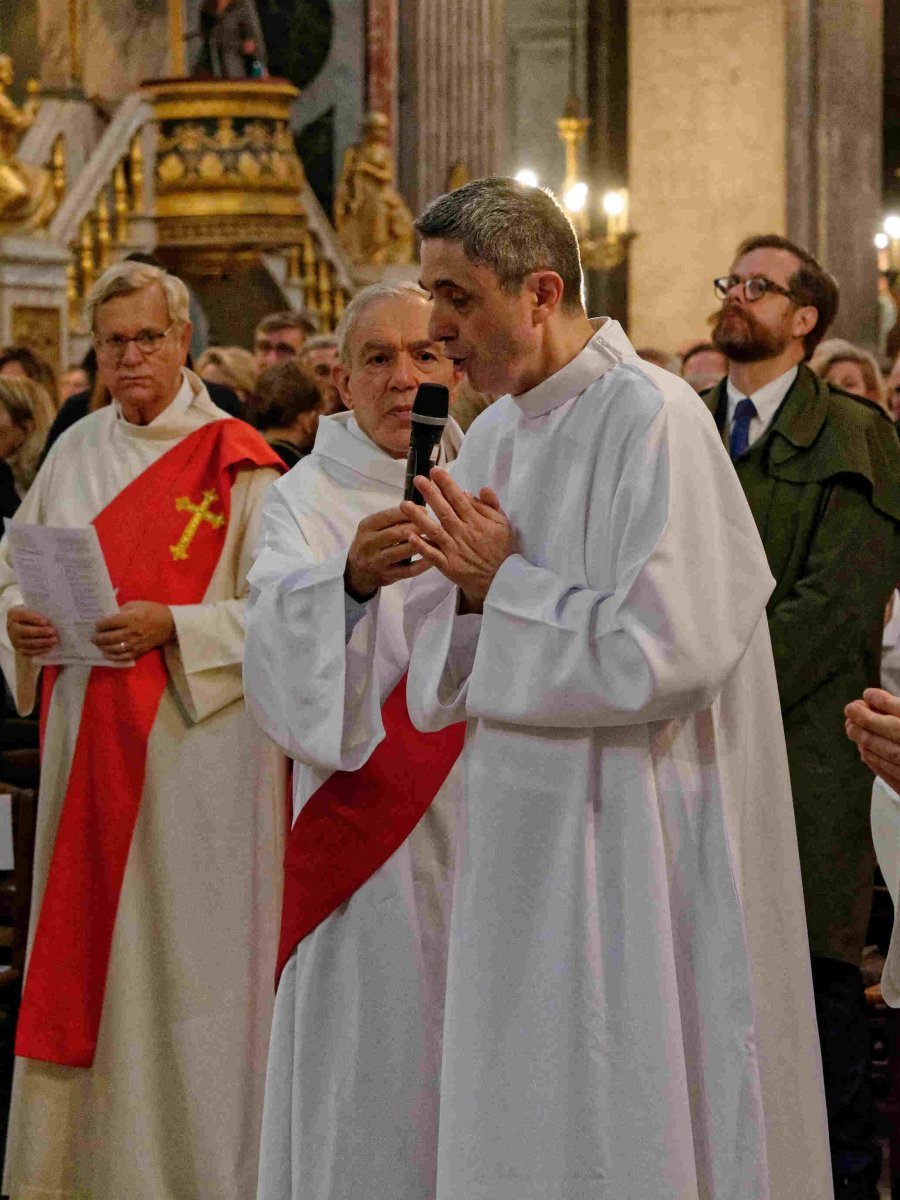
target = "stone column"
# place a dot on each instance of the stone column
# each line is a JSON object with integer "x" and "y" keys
{"x": 381, "y": 60}
{"x": 452, "y": 92}
{"x": 835, "y": 145}
{"x": 748, "y": 119}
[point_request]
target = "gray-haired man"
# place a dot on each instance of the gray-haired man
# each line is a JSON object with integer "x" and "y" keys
{"x": 629, "y": 1009}
{"x": 352, "y": 1088}
{"x": 147, "y": 998}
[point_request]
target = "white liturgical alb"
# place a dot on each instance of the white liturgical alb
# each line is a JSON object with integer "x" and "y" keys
{"x": 629, "y": 1010}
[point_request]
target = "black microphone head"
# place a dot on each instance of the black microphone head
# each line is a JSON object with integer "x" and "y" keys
{"x": 432, "y": 401}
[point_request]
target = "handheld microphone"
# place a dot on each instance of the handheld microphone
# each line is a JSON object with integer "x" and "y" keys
{"x": 430, "y": 410}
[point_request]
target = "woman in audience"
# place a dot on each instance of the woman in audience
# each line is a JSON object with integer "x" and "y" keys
{"x": 26, "y": 414}
{"x": 21, "y": 362}
{"x": 849, "y": 368}
{"x": 230, "y": 366}
{"x": 285, "y": 408}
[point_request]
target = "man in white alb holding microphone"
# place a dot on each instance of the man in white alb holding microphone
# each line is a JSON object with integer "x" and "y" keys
{"x": 352, "y": 1084}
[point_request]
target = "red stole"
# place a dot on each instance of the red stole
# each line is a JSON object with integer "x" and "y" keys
{"x": 161, "y": 538}
{"x": 356, "y": 820}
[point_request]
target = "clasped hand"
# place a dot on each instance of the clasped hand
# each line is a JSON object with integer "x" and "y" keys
{"x": 468, "y": 539}
{"x": 137, "y": 628}
{"x": 873, "y": 723}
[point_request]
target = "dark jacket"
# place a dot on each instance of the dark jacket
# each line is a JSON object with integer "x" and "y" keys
{"x": 289, "y": 454}
{"x": 823, "y": 484}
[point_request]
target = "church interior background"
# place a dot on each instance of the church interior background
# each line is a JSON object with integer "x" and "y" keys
{"x": 673, "y": 128}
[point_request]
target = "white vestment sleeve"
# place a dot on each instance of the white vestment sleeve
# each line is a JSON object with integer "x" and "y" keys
{"x": 204, "y": 662}
{"x": 305, "y": 683}
{"x": 886, "y": 838}
{"x": 691, "y": 587}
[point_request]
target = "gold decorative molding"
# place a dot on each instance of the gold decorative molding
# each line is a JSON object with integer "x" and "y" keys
{"x": 228, "y": 178}
{"x": 183, "y": 99}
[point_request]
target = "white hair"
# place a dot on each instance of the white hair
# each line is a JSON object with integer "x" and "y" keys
{"x": 126, "y": 277}
{"x": 363, "y": 300}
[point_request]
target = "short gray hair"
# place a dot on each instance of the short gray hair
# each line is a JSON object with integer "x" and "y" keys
{"x": 511, "y": 228}
{"x": 352, "y": 314}
{"x": 126, "y": 277}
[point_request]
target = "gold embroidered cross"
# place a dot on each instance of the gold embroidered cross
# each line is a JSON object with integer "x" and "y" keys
{"x": 199, "y": 513}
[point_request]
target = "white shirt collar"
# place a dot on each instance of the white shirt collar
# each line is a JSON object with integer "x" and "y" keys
{"x": 767, "y": 400}
{"x": 608, "y": 347}
{"x": 180, "y": 403}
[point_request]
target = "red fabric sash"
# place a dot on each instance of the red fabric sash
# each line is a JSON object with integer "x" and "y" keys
{"x": 156, "y": 548}
{"x": 357, "y": 819}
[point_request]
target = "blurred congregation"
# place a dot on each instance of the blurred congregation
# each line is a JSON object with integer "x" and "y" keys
{"x": 450, "y": 600}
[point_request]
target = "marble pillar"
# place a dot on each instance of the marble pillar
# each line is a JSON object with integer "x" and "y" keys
{"x": 452, "y": 93}
{"x": 749, "y": 119}
{"x": 835, "y": 146}
{"x": 381, "y": 60}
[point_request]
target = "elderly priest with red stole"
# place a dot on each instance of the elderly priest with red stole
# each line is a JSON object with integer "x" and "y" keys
{"x": 352, "y": 1087}
{"x": 147, "y": 999}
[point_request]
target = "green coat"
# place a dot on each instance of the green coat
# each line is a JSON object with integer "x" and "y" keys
{"x": 823, "y": 484}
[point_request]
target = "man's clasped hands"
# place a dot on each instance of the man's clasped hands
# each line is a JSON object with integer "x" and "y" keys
{"x": 467, "y": 537}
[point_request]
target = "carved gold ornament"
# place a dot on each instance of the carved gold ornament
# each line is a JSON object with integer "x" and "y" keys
{"x": 28, "y": 198}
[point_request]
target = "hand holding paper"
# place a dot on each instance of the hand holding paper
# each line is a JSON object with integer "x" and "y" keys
{"x": 137, "y": 628}
{"x": 29, "y": 632}
{"x": 65, "y": 583}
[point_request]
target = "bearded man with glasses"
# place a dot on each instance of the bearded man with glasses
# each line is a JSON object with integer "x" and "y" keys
{"x": 145, "y": 1014}
{"x": 821, "y": 472}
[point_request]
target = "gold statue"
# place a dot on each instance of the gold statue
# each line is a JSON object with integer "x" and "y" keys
{"x": 372, "y": 221}
{"x": 27, "y": 198}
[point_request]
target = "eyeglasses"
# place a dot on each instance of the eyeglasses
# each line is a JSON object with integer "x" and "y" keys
{"x": 753, "y": 288}
{"x": 148, "y": 341}
{"x": 281, "y": 349}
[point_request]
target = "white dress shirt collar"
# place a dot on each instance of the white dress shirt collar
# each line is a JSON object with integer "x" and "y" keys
{"x": 767, "y": 400}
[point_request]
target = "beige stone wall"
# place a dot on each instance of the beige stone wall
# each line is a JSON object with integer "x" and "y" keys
{"x": 707, "y": 152}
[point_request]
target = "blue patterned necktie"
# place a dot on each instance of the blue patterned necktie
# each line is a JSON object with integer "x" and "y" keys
{"x": 740, "y": 427}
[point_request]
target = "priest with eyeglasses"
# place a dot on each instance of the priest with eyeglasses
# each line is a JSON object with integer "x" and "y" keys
{"x": 147, "y": 997}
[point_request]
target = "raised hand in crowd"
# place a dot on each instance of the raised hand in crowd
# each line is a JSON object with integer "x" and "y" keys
{"x": 874, "y": 724}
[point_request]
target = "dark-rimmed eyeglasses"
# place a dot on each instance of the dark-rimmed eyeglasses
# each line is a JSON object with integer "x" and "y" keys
{"x": 148, "y": 341}
{"x": 753, "y": 288}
